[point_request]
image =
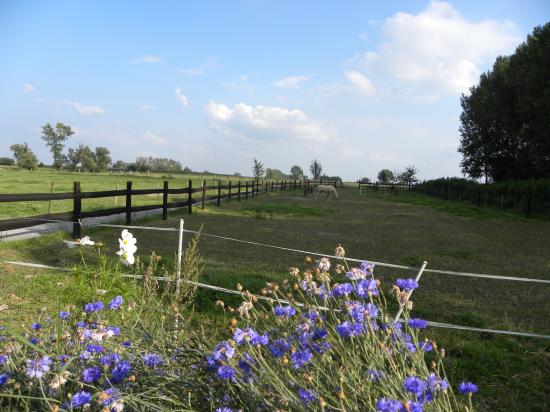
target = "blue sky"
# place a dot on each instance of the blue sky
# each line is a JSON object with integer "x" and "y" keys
{"x": 359, "y": 85}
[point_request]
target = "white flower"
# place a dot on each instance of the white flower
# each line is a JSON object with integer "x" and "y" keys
{"x": 324, "y": 264}
{"x": 59, "y": 380}
{"x": 127, "y": 241}
{"x": 70, "y": 244}
{"x": 127, "y": 258}
{"x": 86, "y": 241}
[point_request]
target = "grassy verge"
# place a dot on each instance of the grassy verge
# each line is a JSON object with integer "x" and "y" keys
{"x": 512, "y": 372}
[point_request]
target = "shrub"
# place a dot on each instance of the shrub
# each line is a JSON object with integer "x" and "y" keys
{"x": 6, "y": 161}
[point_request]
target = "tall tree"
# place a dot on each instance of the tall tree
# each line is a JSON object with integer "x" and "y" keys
{"x": 296, "y": 172}
{"x": 24, "y": 156}
{"x": 54, "y": 139}
{"x": 504, "y": 121}
{"x": 408, "y": 175}
{"x": 102, "y": 158}
{"x": 258, "y": 169}
{"x": 386, "y": 176}
{"x": 316, "y": 169}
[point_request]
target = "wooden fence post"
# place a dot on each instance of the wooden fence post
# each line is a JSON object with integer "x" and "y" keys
{"x": 190, "y": 197}
{"x": 229, "y": 192}
{"x": 129, "y": 203}
{"x": 253, "y": 186}
{"x": 218, "y": 201}
{"x": 165, "y": 200}
{"x": 77, "y": 209}
{"x": 272, "y": 186}
{"x": 239, "y": 190}
{"x": 246, "y": 190}
{"x": 203, "y": 194}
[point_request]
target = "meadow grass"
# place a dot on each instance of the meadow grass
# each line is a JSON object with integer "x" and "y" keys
{"x": 511, "y": 372}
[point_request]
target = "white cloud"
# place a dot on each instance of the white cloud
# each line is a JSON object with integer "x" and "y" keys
{"x": 87, "y": 110}
{"x": 363, "y": 83}
{"x": 146, "y": 108}
{"x": 437, "y": 50}
{"x": 267, "y": 123}
{"x": 291, "y": 82}
{"x": 182, "y": 98}
{"x": 28, "y": 88}
{"x": 151, "y": 138}
{"x": 147, "y": 60}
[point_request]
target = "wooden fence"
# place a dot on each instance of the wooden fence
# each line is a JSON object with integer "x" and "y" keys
{"x": 195, "y": 195}
{"x": 386, "y": 187}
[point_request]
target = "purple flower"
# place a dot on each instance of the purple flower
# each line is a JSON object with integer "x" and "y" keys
{"x": 36, "y": 368}
{"x": 365, "y": 287}
{"x": 94, "y": 348}
{"x": 64, "y": 315}
{"x": 245, "y": 363}
{"x": 425, "y": 346}
{"x": 109, "y": 360}
{"x": 225, "y": 372}
{"x": 347, "y": 329}
{"x": 3, "y": 359}
{"x": 127, "y": 343}
{"x": 435, "y": 383}
{"x": 284, "y": 311}
{"x": 301, "y": 358}
{"x": 115, "y": 303}
{"x": 223, "y": 351}
{"x": 36, "y": 326}
{"x": 388, "y": 405}
{"x": 120, "y": 371}
{"x": 259, "y": 339}
{"x": 407, "y": 285}
{"x": 467, "y": 388}
{"x": 307, "y": 396}
{"x": 4, "y": 378}
{"x": 279, "y": 347}
{"x": 416, "y": 323}
{"x": 81, "y": 398}
{"x": 416, "y": 407}
{"x": 374, "y": 375}
{"x": 241, "y": 336}
{"x": 367, "y": 266}
{"x": 91, "y": 374}
{"x": 93, "y": 307}
{"x": 343, "y": 289}
{"x": 415, "y": 385}
{"x": 153, "y": 360}
{"x": 109, "y": 396}
{"x": 224, "y": 409}
{"x": 34, "y": 341}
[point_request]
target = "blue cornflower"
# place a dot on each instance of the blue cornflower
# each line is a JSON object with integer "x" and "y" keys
{"x": 64, "y": 315}
{"x": 109, "y": 396}
{"x": 36, "y": 368}
{"x": 115, "y": 330}
{"x": 91, "y": 374}
{"x": 467, "y": 388}
{"x": 279, "y": 347}
{"x": 241, "y": 336}
{"x": 406, "y": 284}
{"x": 109, "y": 360}
{"x": 63, "y": 359}
{"x": 258, "y": 339}
{"x": 356, "y": 274}
{"x": 416, "y": 323}
{"x": 311, "y": 315}
{"x": 343, "y": 289}
{"x": 93, "y": 307}
{"x": 372, "y": 310}
{"x": 224, "y": 409}
{"x": 127, "y": 343}
{"x": 245, "y": 363}
{"x": 374, "y": 375}
{"x": 94, "y": 348}
{"x": 319, "y": 333}
{"x": 4, "y": 378}
{"x": 284, "y": 311}
{"x": 388, "y": 405}
{"x": 3, "y": 359}
{"x": 425, "y": 346}
{"x": 120, "y": 371}
{"x": 153, "y": 360}
{"x": 225, "y": 372}
{"x": 81, "y": 398}
{"x": 36, "y": 326}
{"x": 307, "y": 396}
{"x": 415, "y": 385}
{"x": 115, "y": 303}
{"x": 80, "y": 324}
{"x": 301, "y": 358}
{"x": 435, "y": 383}
{"x": 415, "y": 407}
{"x": 34, "y": 341}
{"x": 347, "y": 329}
{"x": 320, "y": 347}
{"x": 367, "y": 266}
{"x": 356, "y": 310}
{"x": 223, "y": 351}
{"x": 365, "y": 287}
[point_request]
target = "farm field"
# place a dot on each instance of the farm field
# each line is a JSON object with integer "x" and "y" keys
{"x": 512, "y": 373}
{"x": 15, "y": 180}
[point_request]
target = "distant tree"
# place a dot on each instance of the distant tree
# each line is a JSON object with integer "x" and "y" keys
{"x": 365, "y": 180}
{"x": 24, "y": 157}
{"x": 316, "y": 169}
{"x": 187, "y": 169}
{"x": 6, "y": 161}
{"x": 120, "y": 165}
{"x": 237, "y": 174}
{"x": 102, "y": 159}
{"x": 274, "y": 174}
{"x": 54, "y": 139}
{"x": 386, "y": 176}
{"x": 297, "y": 172}
{"x": 408, "y": 175}
{"x": 72, "y": 160}
{"x": 258, "y": 169}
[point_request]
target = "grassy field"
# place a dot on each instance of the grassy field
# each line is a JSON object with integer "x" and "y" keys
{"x": 512, "y": 372}
{"x": 15, "y": 180}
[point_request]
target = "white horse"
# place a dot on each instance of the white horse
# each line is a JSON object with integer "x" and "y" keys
{"x": 329, "y": 190}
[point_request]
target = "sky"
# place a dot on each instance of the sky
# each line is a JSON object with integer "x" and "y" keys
{"x": 359, "y": 85}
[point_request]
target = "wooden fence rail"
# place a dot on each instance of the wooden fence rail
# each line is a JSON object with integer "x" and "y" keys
{"x": 250, "y": 189}
{"x": 386, "y": 187}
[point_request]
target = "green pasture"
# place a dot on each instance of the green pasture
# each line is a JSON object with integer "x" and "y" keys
{"x": 512, "y": 373}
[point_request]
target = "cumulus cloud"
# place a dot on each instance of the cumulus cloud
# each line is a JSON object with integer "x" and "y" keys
{"x": 147, "y": 60}
{"x": 291, "y": 82}
{"x": 87, "y": 110}
{"x": 152, "y": 138}
{"x": 28, "y": 88}
{"x": 267, "y": 122}
{"x": 436, "y": 50}
{"x": 182, "y": 98}
{"x": 363, "y": 83}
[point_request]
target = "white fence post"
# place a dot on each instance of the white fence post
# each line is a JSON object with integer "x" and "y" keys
{"x": 178, "y": 271}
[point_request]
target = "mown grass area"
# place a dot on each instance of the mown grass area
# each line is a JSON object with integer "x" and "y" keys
{"x": 512, "y": 372}
{"x": 15, "y": 180}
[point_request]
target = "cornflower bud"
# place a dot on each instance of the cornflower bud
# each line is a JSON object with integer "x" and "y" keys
{"x": 263, "y": 291}
{"x": 233, "y": 322}
{"x": 132, "y": 378}
{"x": 239, "y": 287}
{"x": 308, "y": 260}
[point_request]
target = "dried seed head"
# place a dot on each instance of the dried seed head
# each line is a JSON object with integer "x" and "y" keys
{"x": 340, "y": 252}
{"x": 308, "y": 260}
{"x": 239, "y": 287}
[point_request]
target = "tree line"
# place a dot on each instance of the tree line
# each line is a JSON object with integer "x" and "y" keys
{"x": 259, "y": 171}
